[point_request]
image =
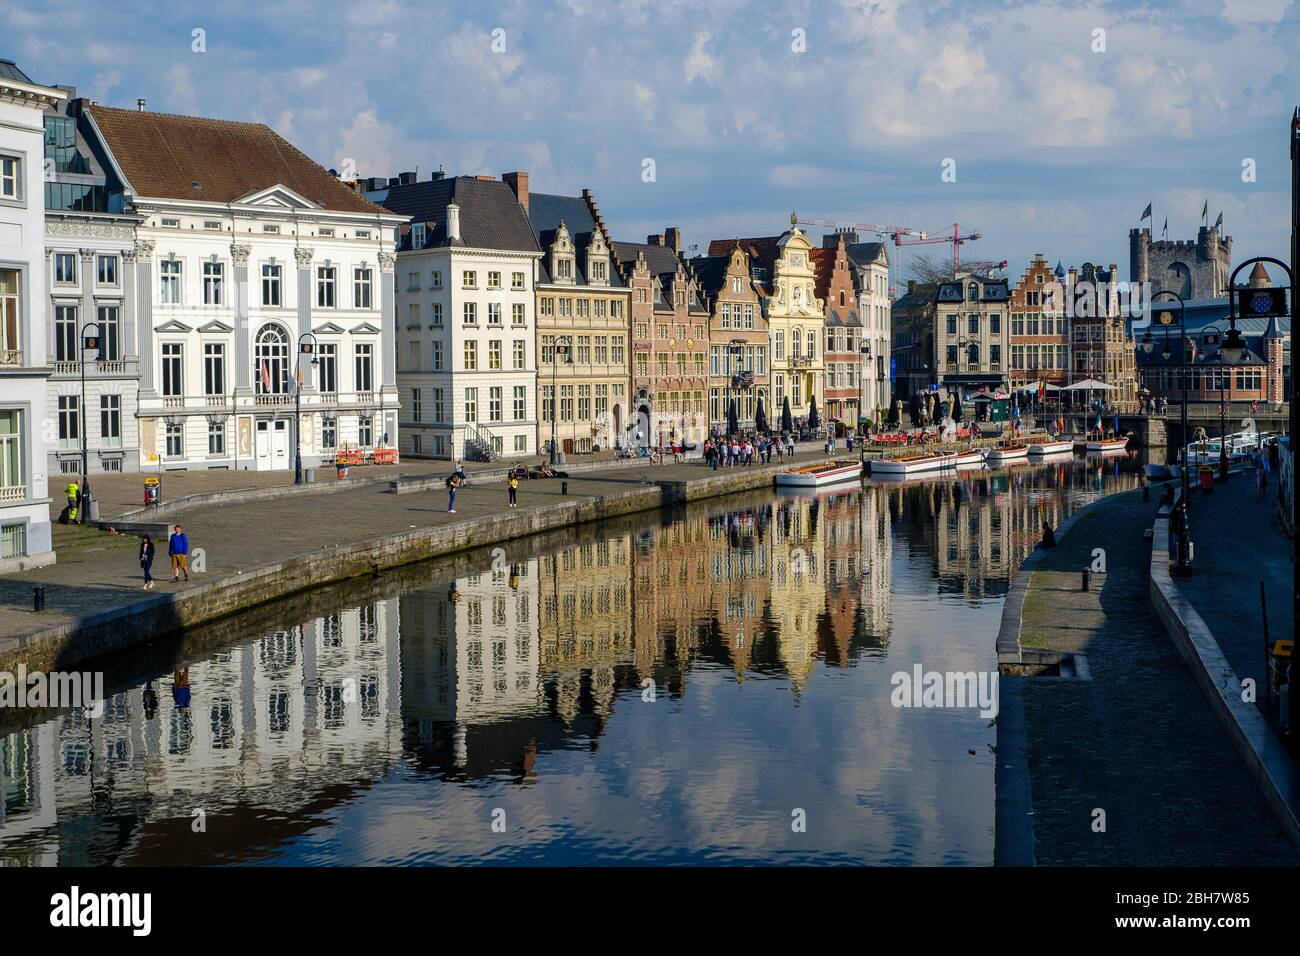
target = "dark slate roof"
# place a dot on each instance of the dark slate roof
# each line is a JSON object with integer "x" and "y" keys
{"x": 712, "y": 272}
{"x": 922, "y": 298}
{"x": 661, "y": 259}
{"x": 546, "y": 212}
{"x": 763, "y": 250}
{"x": 9, "y": 71}
{"x": 490, "y": 215}
{"x": 864, "y": 253}
{"x": 991, "y": 290}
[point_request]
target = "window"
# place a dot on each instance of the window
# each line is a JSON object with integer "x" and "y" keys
{"x": 11, "y": 178}
{"x": 110, "y": 420}
{"x": 65, "y": 268}
{"x": 169, "y": 223}
{"x": 329, "y": 432}
{"x": 365, "y": 430}
{"x": 417, "y": 236}
{"x": 435, "y": 279}
{"x": 361, "y": 288}
{"x": 439, "y": 405}
{"x": 364, "y": 362}
{"x": 213, "y": 224}
{"x": 325, "y": 287}
{"x": 995, "y": 324}
{"x": 69, "y": 421}
{"x": 328, "y": 372}
{"x": 270, "y": 284}
{"x": 470, "y": 314}
{"x": 471, "y": 356}
{"x": 172, "y": 364}
{"x": 11, "y": 449}
{"x": 469, "y": 279}
{"x": 214, "y": 368}
{"x": 520, "y": 353}
{"x": 413, "y": 316}
{"x": 973, "y": 324}
{"x": 566, "y": 403}
{"x": 435, "y": 316}
{"x": 520, "y": 403}
{"x": 471, "y": 405}
{"x": 437, "y": 356}
{"x": 216, "y": 437}
{"x": 110, "y": 333}
{"x": 213, "y": 274}
{"x": 175, "y": 441}
{"x": 65, "y": 334}
{"x": 106, "y": 271}
{"x": 494, "y": 313}
{"x": 415, "y": 405}
{"x": 521, "y": 443}
{"x": 517, "y": 280}
{"x": 270, "y": 229}
{"x": 494, "y": 280}
{"x": 169, "y": 277}
{"x": 494, "y": 404}
{"x": 494, "y": 354}
{"x": 272, "y": 361}
{"x": 517, "y": 314}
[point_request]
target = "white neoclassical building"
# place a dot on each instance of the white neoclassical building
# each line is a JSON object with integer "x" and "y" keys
{"x": 466, "y": 322}
{"x": 25, "y": 532}
{"x": 256, "y": 273}
{"x": 871, "y": 261}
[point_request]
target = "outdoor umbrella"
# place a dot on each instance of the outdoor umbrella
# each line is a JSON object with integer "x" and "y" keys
{"x": 814, "y": 420}
{"x": 733, "y": 426}
{"x": 787, "y": 421}
{"x": 760, "y": 418}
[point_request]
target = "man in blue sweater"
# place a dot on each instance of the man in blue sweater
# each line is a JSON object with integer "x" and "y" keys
{"x": 178, "y": 546}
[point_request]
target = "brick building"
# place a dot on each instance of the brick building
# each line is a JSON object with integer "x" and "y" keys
{"x": 836, "y": 288}
{"x": 738, "y": 338}
{"x": 1040, "y": 335}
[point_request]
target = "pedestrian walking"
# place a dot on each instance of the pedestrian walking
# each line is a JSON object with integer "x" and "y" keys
{"x": 512, "y": 485}
{"x": 453, "y": 482}
{"x": 74, "y": 496}
{"x": 146, "y": 561}
{"x": 178, "y": 548}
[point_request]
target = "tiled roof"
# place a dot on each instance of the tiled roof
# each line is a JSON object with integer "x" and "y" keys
{"x": 490, "y": 215}
{"x": 823, "y": 262}
{"x": 763, "y": 250}
{"x": 546, "y": 212}
{"x": 190, "y": 157}
{"x": 661, "y": 259}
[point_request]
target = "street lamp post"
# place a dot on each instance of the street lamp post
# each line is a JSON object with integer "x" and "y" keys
{"x": 306, "y": 346}
{"x": 89, "y": 343}
{"x": 865, "y": 349}
{"x": 555, "y": 391}
{"x": 1183, "y": 566}
{"x": 735, "y": 352}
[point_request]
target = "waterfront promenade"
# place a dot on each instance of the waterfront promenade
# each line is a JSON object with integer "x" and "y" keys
{"x": 1137, "y": 739}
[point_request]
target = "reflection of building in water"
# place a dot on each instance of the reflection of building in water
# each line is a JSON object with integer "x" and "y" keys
{"x": 875, "y": 550}
{"x": 841, "y": 528}
{"x": 739, "y": 555}
{"x": 272, "y": 721}
{"x": 586, "y": 620}
{"x": 671, "y": 596}
{"x": 470, "y": 653}
{"x": 798, "y": 557}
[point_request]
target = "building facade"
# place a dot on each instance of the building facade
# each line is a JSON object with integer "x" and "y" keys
{"x": 670, "y": 327}
{"x": 738, "y": 340}
{"x": 1040, "y": 334}
{"x": 1197, "y": 269}
{"x": 1102, "y": 345}
{"x": 583, "y": 306}
{"x": 261, "y": 282}
{"x": 871, "y": 262}
{"x": 912, "y": 342}
{"x": 972, "y": 334}
{"x": 845, "y": 364}
{"x": 467, "y": 330}
{"x": 797, "y": 320}
{"x": 26, "y": 539}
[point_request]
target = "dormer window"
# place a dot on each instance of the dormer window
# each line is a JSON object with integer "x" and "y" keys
{"x": 972, "y": 292}
{"x": 562, "y": 255}
{"x": 417, "y": 236}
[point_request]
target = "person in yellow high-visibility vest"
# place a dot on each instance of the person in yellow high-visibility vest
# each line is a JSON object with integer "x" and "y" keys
{"x": 74, "y": 497}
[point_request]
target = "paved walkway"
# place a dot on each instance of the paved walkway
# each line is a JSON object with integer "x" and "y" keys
{"x": 1230, "y": 563}
{"x": 97, "y": 571}
{"x": 1138, "y": 740}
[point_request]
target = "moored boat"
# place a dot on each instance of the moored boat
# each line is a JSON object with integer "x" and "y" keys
{"x": 1004, "y": 454}
{"x": 1107, "y": 445}
{"x": 967, "y": 459}
{"x": 913, "y": 464}
{"x": 1052, "y": 447}
{"x": 816, "y": 476}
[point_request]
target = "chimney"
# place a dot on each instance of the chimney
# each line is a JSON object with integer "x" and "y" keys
{"x": 437, "y": 175}
{"x": 911, "y": 286}
{"x": 406, "y": 179}
{"x": 453, "y": 222}
{"x": 518, "y": 183}
{"x": 655, "y": 239}
{"x": 139, "y": 105}
{"x": 673, "y": 239}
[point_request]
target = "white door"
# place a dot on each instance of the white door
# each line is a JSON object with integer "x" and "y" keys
{"x": 280, "y": 444}
{"x": 263, "y": 446}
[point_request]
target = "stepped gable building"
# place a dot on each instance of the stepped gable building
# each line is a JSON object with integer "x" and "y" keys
{"x": 466, "y": 322}
{"x": 583, "y": 305}
{"x": 246, "y": 252}
{"x": 670, "y": 327}
{"x": 26, "y": 539}
{"x": 870, "y": 260}
{"x": 738, "y": 339}
{"x": 1040, "y": 335}
{"x": 1197, "y": 269}
{"x": 1101, "y": 340}
{"x": 837, "y": 288}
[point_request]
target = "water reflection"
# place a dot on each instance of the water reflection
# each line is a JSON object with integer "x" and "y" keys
{"x": 658, "y": 689}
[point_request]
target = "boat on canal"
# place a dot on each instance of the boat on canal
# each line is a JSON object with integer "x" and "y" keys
{"x": 1107, "y": 446}
{"x": 1006, "y": 454}
{"x": 831, "y": 472}
{"x": 914, "y": 464}
{"x": 1052, "y": 446}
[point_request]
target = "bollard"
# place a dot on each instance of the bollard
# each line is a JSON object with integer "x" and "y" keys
{"x": 1087, "y": 578}
{"x": 564, "y": 487}
{"x": 38, "y": 598}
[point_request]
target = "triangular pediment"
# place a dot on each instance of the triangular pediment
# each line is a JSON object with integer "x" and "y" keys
{"x": 365, "y": 327}
{"x": 329, "y": 328}
{"x": 173, "y": 326}
{"x": 216, "y": 326}
{"x": 278, "y": 196}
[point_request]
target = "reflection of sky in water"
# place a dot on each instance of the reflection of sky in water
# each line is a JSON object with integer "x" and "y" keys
{"x": 392, "y": 731}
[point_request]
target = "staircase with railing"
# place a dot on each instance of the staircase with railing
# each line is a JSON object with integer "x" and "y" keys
{"x": 480, "y": 444}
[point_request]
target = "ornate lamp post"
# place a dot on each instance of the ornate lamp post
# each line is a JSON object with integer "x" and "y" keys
{"x": 562, "y": 344}
{"x": 1183, "y": 566}
{"x": 89, "y": 343}
{"x": 306, "y": 346}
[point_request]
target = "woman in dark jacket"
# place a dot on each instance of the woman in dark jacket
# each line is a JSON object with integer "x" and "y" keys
{"x": 146, "y": 561}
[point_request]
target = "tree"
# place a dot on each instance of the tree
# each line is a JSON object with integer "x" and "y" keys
{"x": 929, "y": 269}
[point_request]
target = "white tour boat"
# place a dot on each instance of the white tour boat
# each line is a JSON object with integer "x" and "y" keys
{"x": 1006, "y": 454}
{"x": 1107, "y": 445}
{"x": 817, "y": 476}
{"x": 1052, "y": 447}
{"x": 913, "y": 464}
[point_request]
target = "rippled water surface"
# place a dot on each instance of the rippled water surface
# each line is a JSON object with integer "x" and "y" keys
{"x": 705, "y": 686}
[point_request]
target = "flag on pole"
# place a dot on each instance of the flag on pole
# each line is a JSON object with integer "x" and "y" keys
{"x": 1146, "y": 213}
{"x": 1205, "y": 211}
{"x": 1218, "y": 223}
{"x": 1165, "y": 233}
{"x": 266, "y": 376}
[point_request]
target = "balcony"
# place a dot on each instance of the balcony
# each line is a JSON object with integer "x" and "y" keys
{"x": 273, "y": 399}
{"x": 329, "y": 398}
{"x": 11, "y": 357}
{"x": 173, "y": 401}
{"x": 13, "y": 492}
{"x": 111, "y": 367}
{"x": 365, "y": 398}
{"x": 67, "y": 368}
{"x": 214, "y": 401}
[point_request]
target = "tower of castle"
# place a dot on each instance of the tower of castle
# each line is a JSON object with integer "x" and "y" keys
{"x": 1195, "y": 269}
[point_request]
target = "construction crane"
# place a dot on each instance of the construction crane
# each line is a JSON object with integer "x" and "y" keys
{"x": 882, "y": 232}
{"x": 957, "y": 240}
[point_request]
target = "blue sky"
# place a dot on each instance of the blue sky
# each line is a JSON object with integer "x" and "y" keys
{"x": 1058, "y": 147}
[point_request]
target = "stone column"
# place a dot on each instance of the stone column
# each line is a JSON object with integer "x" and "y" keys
{"x": 88, "y": 313}
{"x": 388, "y": 316}
{"x": 144, "y": 313}
{"x": 243, "y": 358}
{"x": 129, "y": 336}
{"x": 304, "y": 257}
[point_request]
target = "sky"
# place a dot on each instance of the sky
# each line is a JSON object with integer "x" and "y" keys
{"x": 1056, "y": 121}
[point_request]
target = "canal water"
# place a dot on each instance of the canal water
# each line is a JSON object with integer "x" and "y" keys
{"x": 711, "y": 685}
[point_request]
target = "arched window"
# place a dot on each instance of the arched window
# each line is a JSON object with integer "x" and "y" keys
{"x": 271, "y": 358}
{"x": 972, "y": 292}
{"x": 974, "y": 356}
